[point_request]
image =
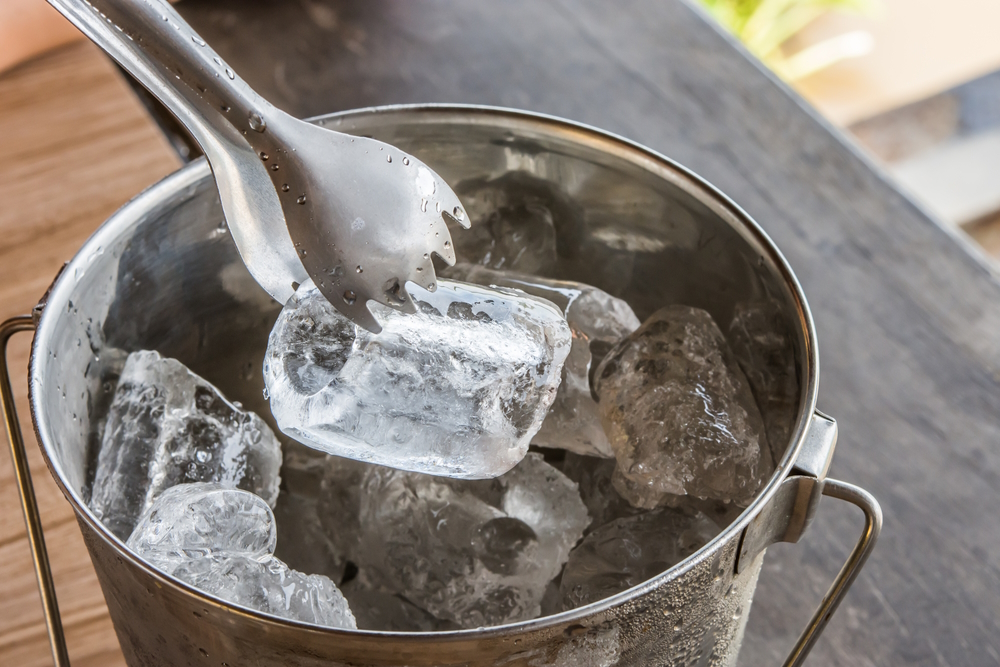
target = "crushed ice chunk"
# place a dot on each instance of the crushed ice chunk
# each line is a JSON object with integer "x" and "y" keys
{"x": 475, "y": 553}
{"x": 167, "y": 426}
{"x": 220, "y": 540}
{"x": 594, "y": 477}
{"x": 193, "y": 521}
{"x": 515, "y": 220}
{"x": 679, "y": 413}
{"x": 598, "y": 321}
{"x": 630, "y": 550}
{"x": 457, "y": 389}
{"x": 760, "y": 341}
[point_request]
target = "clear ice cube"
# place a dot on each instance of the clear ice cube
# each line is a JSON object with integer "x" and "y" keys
{"x": 679, "y": 414}
{"x": 594, "y": 477}
{"x": 598, "y": 321}
{"x": 761, "y": 343}
{"x": 167, "y": 426}
{"x": 457, "y": 389}
{"x": 475, "y": 553}
{"x": 630, "y": 550}
{"x": 220, "y": 540}
{"x": 191, "y": 521}
{"x": 515, "y": 223}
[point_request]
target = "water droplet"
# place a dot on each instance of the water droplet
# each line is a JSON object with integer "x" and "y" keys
{"x": 427, "y": 255}
{"x": 203, "y": 456}
{"x": 406, "y": 160}
{"x": 423, "y": 205}
{"x": 337, "y": 271}
{"x": 231, "y": 74}
{"x": 437, "y": 206}
{"x": 257, "y": 123}
{"x": 458, "y": 213}
{"x": 301, "y": 199}
{"x": 274, "y": 167}
{"x": 350, "y": 297}
{"x": 447, "y": 244}
{"x": 225, "y": 108}
{"x": 388, "y": 158}
{"x": 431, "y": 287}
{"x": 197, "y": 40}
{"x": 216, "y": 58}
{"x": 263, "y": 156}
{"x": 359, "y": 269}
{"x": 285, "y": 188}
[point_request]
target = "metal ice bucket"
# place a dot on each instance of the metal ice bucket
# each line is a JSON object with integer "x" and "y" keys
{"x": 163, "y": 273}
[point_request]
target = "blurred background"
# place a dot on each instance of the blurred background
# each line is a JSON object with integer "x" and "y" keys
{"x": 915, "y": 82}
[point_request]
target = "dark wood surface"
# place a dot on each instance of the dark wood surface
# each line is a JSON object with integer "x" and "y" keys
{"x": 908, "y": 315}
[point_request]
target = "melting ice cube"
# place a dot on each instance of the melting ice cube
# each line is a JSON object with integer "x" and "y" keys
{"x": 220, "y": 541}
{"x": 679, "y": 413}
{"x": 457, "y": 389}
{"x": 598, "y": 321}
{"x": 475, "y": 553}
{"x": 167, "y": 426}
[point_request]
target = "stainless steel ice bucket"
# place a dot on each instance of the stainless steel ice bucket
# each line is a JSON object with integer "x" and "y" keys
{"x": 163, "y": 273}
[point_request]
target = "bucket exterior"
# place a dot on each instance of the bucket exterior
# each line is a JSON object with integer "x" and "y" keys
{"x": 163, "y": 273}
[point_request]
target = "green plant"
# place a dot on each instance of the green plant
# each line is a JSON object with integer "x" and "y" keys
{"x": 764, "y": 26}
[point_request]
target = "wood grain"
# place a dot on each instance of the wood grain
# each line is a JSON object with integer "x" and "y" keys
{"x": 77, "y": 146}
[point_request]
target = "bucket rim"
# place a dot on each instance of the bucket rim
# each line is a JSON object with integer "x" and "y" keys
{"x": 146, "y": 202}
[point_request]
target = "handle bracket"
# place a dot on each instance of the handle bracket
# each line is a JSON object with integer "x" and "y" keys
{"x": 791, "y": 510}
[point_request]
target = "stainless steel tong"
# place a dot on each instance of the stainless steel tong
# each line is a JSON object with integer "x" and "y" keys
{"x": 358, "y": 216}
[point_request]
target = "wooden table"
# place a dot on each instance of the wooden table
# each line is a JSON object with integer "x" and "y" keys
{"x": 908, "y": 314}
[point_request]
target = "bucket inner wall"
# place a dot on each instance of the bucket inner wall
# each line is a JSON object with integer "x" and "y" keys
{"x": 164, "y": 274}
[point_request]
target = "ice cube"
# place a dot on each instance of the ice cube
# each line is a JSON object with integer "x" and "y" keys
{"x": 457, "y": 389}
{"x": 378, "y": 609}
{"x": 220, "y": 541}
{"x": 760, "y": 341}
{"x": 167, "y": 426}
{"x": 594, "y": 477}
{"x": 515, "y": 219}
{"x": 191, "y": 521}
{"x": 475, "y": 553}
{"x": 598, "y": 321}
{"x": 680, "y": 415}
{"x": 630, "y": 550}
{"x": 549, "y": 502}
